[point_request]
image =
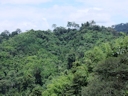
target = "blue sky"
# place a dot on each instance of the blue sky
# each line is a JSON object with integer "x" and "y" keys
{"x": 41, "y": 14}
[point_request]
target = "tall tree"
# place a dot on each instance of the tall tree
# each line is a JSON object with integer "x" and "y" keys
{"x": 69, "y": 24}
{"x": 54, "y": 26}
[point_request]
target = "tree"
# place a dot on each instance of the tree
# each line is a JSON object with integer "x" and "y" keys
{"x": 54, "y": 26}
{"x": 5, "y": 34}
{"x": 71, "y": 59}
{"x": 69, "y": 24}
{"x": 87, "y": 23}
{"x": 73, "y": 24}
{"x": 37, "y": 91}
{"x": 18, "y": 30}
{"x": 76, "y": 26}
{"x": 109, "y": 78}
{"x": 92, "y": 23}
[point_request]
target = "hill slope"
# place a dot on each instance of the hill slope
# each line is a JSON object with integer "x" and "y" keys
{"x": 122, "y": 27}
{"x": 32, "y": 62}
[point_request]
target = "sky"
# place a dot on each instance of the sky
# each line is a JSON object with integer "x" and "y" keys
{"x": 41, "y": 14}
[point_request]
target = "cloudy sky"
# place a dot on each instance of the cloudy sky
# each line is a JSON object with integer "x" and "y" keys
{"x": 41, "y": 14}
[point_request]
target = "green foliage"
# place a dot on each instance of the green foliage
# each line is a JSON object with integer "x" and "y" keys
{"x": 37, "y": 91}
{"x": 58, "y": 86}
{"x": 110, "y": 78}
{"x": 58, "y": 63}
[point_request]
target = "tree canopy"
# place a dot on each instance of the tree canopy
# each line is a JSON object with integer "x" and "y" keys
{"x": 87, "y": 61}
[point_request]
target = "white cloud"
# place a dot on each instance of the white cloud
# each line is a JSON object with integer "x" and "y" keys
{"x": 13, "y": 18}
{"x": 23, "y": 1}
{"x": 113, "y": 6}
{"x": 36, "y": 18}
{"x": 23, "y": 25}
{"x": 87, "y": 14}
{"x": 33, "y": 17}
{"x": 116, "y": 9}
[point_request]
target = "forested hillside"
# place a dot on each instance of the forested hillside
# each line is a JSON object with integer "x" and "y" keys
{"x": 122, "y": 27}
{"x": 86, "y": 60}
